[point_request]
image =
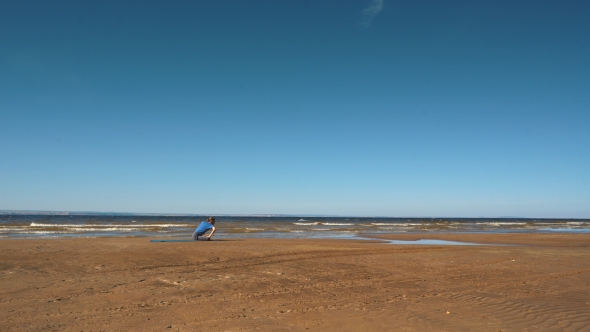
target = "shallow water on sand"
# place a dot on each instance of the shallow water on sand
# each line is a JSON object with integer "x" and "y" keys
{"x": 434, "y": 242}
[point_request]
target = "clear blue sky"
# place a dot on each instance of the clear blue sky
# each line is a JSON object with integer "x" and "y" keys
{"x": 392, "y": 108}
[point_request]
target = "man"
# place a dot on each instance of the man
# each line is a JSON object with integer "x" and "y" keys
{"x": 203, "y": 228}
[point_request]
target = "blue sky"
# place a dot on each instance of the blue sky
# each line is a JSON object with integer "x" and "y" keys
{"x": 374, "y": 108}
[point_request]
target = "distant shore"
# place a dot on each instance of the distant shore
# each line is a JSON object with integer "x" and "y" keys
{"x": 536, "y": 281}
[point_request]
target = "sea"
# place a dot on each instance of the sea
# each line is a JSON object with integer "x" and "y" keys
{"x": 67, "y": 225}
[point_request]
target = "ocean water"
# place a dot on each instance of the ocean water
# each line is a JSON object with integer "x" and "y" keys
{"x": 124, "y": 225}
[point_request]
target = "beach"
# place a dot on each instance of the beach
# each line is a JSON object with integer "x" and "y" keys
{"x": 511, "y": 282}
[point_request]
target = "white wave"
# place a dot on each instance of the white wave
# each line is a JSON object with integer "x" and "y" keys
{"x": 12, "y": 229}
{"x": 301, "y": 220}
{"x": 105, "y": 229}
{"x": 108, "y": 225}
{"x": 254, "y": 229}
{"x": 85, "y": 230}
{"x": 306, "y": 223}
{"x": 397, "y": 224}
{"x": 335, "y": 224}
{"x": 394, "y": 227}
{"x": 501, "y": 223}
{"x": 40, "y": 232}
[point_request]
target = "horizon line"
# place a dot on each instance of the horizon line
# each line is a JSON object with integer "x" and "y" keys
{"x": 40, "y": 212}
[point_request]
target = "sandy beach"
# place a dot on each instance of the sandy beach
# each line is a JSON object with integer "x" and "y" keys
{"x": 516, "y": 282}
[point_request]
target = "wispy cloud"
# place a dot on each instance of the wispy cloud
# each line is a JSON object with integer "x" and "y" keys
{"x": 370, "y": 12}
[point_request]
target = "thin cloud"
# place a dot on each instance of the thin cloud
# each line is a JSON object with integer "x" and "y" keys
{"x": 370, "y": 12}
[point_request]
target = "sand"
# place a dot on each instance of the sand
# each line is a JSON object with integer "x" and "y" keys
{"x": 540, "y": 283}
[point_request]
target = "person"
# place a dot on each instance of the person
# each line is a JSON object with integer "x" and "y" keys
{"x": 203, "y": 228}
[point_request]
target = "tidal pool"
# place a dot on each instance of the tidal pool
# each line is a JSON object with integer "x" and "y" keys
{"x": 436, "y": 242}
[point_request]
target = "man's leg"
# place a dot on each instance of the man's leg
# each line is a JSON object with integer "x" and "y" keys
{"x": 195, "y": 236}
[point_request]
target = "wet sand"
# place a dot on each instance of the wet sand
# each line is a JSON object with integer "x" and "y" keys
{"x": 541, "y": 282}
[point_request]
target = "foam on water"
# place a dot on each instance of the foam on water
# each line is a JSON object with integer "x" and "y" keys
{"x": 502, "y": 223}
{"x": 105, "y": 225}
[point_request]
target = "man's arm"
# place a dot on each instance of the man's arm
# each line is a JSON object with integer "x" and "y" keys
{"x": 211, "y": 234}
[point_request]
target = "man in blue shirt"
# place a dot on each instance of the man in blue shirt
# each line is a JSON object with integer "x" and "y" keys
{"x": 203, "y": 228}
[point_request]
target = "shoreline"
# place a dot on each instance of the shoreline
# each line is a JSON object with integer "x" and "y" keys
{"x": 501, "y": 236}
{"x": 297, "y": 284}
{"x": 21, "y": 226}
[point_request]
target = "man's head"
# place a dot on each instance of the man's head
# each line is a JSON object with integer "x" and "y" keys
{"x": 211, "y": 220}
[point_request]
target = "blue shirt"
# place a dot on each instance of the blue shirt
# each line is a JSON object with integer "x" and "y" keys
{"x": 203, "y": 227}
